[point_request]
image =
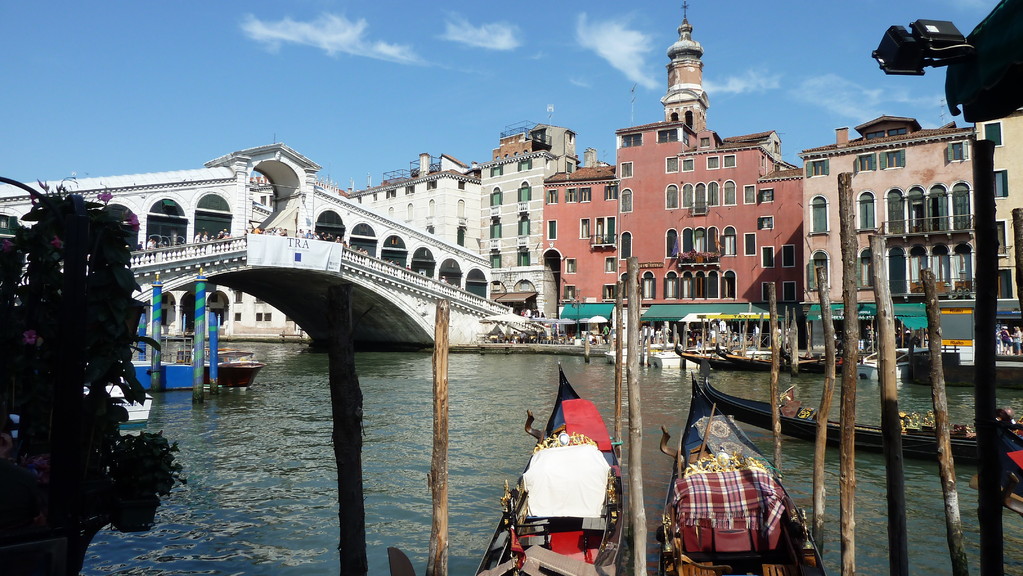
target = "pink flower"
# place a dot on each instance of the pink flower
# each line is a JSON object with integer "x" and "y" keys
{"x": 133, "y": 221}
{"x": 29, "y": 337}
{"x": 57, "y": 243}
{"x": 8, "y": 246}
{"x": 105, "y": 197}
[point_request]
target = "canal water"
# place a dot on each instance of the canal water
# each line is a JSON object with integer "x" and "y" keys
{"x": 261, "y": 496}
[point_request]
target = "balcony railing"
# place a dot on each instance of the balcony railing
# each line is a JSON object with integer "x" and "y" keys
{"x": 523, "y": 241}
{"x": 523, "y": 207}
{"x": 695, "y": 258}
{"x": 603, "y": 240}
{"x": 933, "y": 225}
{"x": 495, "y": 211}
{"x": 495, "y": 243}
{"x": 950, "y": 290}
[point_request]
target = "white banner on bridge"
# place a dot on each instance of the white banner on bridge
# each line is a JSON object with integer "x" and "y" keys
{"x": 287, "y": 252}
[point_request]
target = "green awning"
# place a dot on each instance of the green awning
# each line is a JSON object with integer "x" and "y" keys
{"x": 678, "y": 312}
{"x": 584, "y": 310}
{"x": 912, "y": 315}
{"x": 987, "y": 84}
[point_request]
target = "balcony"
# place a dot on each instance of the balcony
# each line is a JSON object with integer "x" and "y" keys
{"x": 953, "y": 290}
{"x": 495, "y": 211}
{"x": 523, "y": 241}
{"x": 523, "y": 207}
{"x": 495, "y": 243}
{"x": 944, "y": 225}
{"x": 695, "y": 258}
{"x": 698, "y": 209}
{"x": 463, "y": 221}
{"x": 603, "y": 241}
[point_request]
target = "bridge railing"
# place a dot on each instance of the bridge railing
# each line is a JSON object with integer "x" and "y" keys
{"x": 159, "y": 256}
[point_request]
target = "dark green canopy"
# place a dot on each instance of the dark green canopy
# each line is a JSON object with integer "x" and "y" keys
{"x": 987, "y": 85}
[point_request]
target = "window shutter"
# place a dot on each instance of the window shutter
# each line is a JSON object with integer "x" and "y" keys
{"x": 809, "y": 171}
{"x": 948, "y": 153}
{"x": 882, "y": 160}
{"x": 966, "y": 149}
{"x": 826, "y": 163}
{"x": 902, "y": 158}
{"x": 856, "y": 165}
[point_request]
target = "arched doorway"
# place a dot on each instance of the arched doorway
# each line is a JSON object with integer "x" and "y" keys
{"x": 122, "y": 213}
{"x": 551, "y": 282}
{"x": 212, "y": 216}
{"x": 476, "y": 282}
{"x": 329, "y": 226}
{"x": 166, "y": 223}
{"x": 364, "y": 238}
{"x": 423, "y": 262}
{"x": 451, "y": 272}
{"x": 394, "y": 250}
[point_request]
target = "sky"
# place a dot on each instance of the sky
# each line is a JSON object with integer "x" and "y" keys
{"x": 120, "y": 87}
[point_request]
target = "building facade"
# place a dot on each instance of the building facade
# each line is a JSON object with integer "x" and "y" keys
{"x": 512, "y": 184}
{"x": 713, "y": 221}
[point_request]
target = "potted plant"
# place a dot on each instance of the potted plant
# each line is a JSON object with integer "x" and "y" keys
{"x": 143, "y": 468}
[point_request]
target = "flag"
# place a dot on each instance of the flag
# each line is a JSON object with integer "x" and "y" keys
{"x": 675, "y": 249}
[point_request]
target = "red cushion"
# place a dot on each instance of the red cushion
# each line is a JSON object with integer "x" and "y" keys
{"x": 582, "y": 417}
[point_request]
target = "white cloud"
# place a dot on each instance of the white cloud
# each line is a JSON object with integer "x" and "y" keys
{"x": 580, "y": 82}
{"x": 850, "y": 100}
{"x": 330, "y": 33}
{"x": 494, "y": 36}
{"x": 622, "y": 48}
{"x": 750, "y": 81}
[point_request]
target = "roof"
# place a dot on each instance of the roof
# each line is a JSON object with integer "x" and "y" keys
{"x": 81, "y": 185}
{"x": 924, "y": 133}
{"x": 642, "y": 127}
{"x": 749, "y": 138}
{"x": 585, "y": 174}
{"x": 886, "y": 118}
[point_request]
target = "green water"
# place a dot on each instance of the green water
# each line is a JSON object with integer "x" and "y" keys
{"x": 261, "y": 496}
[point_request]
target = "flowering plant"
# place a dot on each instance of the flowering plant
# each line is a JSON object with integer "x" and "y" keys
{"x": 698, "y": 256}
{"x": 72, "y": 247}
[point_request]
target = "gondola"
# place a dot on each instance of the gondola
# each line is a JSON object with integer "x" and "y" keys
{"x": 564, "y": 516}
{"x": 716, "y": 362}
{"x": 915, "y": 443}
{"x": 726, "y": 511}
{"x": 1011, "y": 450}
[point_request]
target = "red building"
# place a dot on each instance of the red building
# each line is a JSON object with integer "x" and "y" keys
{"x": 712, "y": 220}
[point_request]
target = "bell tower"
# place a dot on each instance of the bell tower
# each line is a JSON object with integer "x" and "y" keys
{"x": 685, "y": 100}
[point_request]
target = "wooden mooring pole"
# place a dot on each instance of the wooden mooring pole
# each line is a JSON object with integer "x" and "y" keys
{"x": 619, "y": 341}
{"x": 346, "y": 411}
{"x": 850, "y": 357}
{"x": 772, "y": 299}
{"x": 637, "y": 515}
{"x": 437, "y": 565}
{"x": 942, "y": 429}
{"x": 891, "y": 424}
{"x": 821, "y": 442}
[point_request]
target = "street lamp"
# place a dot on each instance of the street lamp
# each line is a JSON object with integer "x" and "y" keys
{"x": 926, "y": 43}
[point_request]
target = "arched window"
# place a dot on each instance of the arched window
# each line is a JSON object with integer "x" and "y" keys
{"x": 626, "y": 248}
{"x": 687, "y": 195}
{"x": 671, "y": 197}
{"x": 700, "y": 285}
{"x": 819, "y": 214}
{"x": 687, "y": 240}
{"x": 496, "y": 198}
{"x": 728, "y": 241}
{"x": 460, "y": 211}
{"x": 865, "y": 269}
{"x": 432, "y": 211}
{"x": 525, "y": 192}
{"x": 918, "y": 261}
{"x": 961, "y": 207}
{"x": 963, "y": 267}
{"x": 937, "y": 208}
{"x": 713, "y": 199}
{"x": 819, "y": 260}
{"x": 917, "y": 209}
{"x": 671, "y": 244}
{"x": 896, "y": 212}
{"x": 941, "y": 264}
{"x": 712, "y": 284}
{"x": 409, "y": 213}
{"x": 700, "y": 240}
{"x": 701, "y": 197}
{"x": 867, "y": 211}
{"x": 687, "y": 284}
{"x": 729, "y": 193}
{"x": 728, "y": 285}
{"x": 897, "y": 270}
{"x": 329, "y": 223}
{"x": 626, "y": 200}
{"x": 649, "y": 286}
{"x": 712, "y": 239}
{"x": 671, "y": 285}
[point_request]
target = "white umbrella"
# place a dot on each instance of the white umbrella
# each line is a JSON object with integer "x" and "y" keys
{"x": 597, "y": 320}
{"x": 507, "y": 318}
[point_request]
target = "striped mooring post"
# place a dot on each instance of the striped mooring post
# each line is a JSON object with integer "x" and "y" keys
{"x": 199, "y": 340}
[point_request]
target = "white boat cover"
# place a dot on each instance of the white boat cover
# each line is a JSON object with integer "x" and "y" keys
{"x": 567, "y": 481}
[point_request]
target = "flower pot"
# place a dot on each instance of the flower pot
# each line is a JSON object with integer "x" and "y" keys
{"x": 134, "y": 515}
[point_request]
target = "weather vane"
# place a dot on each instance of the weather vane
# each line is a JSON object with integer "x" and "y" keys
{"x": 685, "y": 9}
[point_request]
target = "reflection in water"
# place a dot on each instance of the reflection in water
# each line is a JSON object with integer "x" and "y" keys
{"x": 261, "y": 496}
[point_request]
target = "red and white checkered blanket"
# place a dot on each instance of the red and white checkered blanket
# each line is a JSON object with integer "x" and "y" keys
{"x": 719, "y": 499}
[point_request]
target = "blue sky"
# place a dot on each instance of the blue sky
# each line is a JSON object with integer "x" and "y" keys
{"x": 123, "y": 86}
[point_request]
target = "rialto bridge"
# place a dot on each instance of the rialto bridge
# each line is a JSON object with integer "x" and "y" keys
{"x": 202, "y": 220}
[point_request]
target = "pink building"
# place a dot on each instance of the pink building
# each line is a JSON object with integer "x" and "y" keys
{"x": 713, "y": 221}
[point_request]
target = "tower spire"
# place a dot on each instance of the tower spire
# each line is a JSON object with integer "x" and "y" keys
{"x": 685, "y": 99}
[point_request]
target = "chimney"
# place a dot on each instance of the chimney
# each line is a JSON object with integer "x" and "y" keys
{"x": 424, "y": 164}
{"x": 842, "y": 136}
{"x": 590, "y": 158}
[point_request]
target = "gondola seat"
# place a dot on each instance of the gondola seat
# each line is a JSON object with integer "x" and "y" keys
{"x": 734, "y": 511}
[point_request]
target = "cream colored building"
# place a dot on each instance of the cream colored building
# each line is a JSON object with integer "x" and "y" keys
{"x": 1007, "y": 134}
